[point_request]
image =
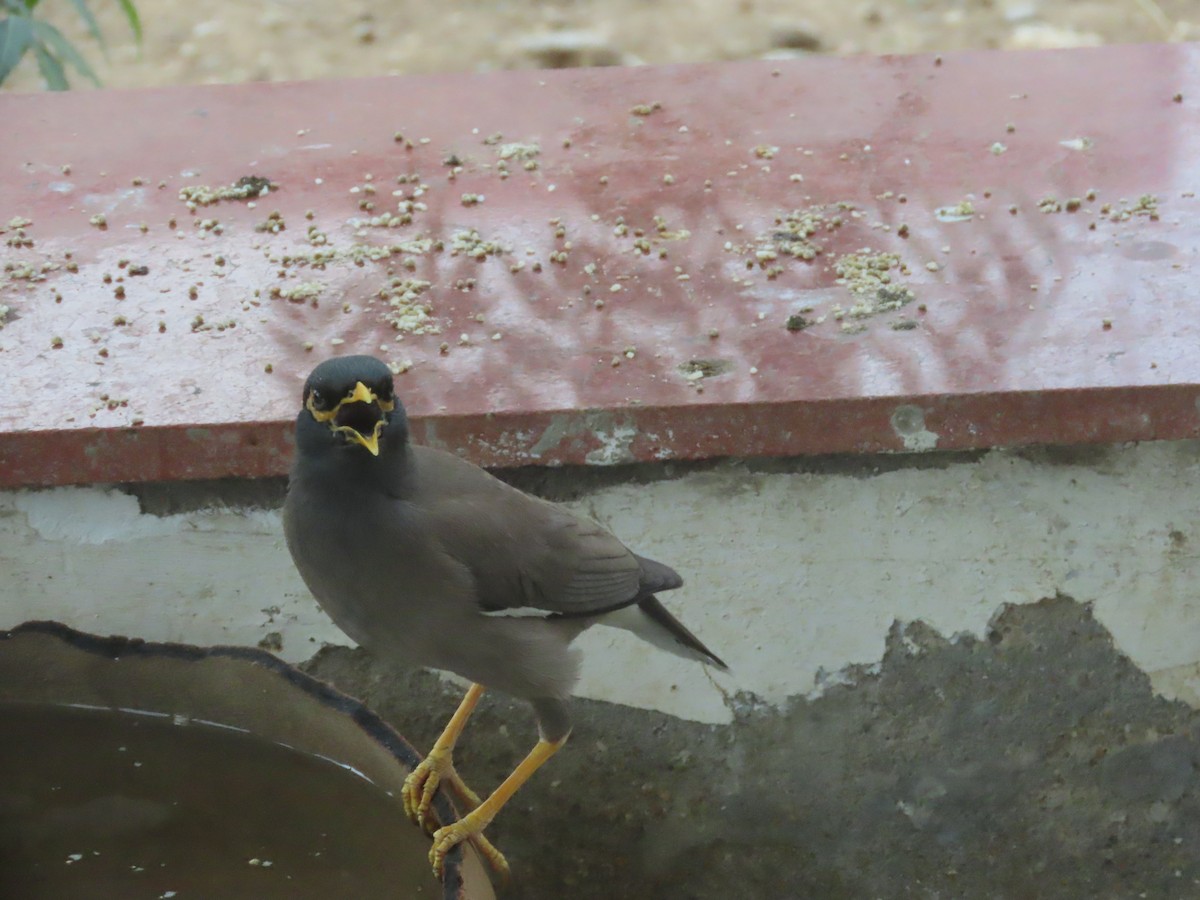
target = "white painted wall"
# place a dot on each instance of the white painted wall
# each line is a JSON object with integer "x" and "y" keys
{"x": 788, "y": 575}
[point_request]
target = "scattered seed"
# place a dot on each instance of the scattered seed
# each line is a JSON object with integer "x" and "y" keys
{"x": 797, "y": 322}
{"x": 245, "y": 188}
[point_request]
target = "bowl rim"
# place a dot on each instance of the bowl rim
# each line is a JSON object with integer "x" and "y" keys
{"x": 357, "y": 712}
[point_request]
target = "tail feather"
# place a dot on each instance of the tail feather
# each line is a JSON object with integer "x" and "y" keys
{"x": 651, "y": 621}
{"x": 657, "y": 576}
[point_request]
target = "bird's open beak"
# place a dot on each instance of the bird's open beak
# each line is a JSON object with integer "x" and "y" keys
{"x": 360, "y": 415}
{"x": 370, "y": 441}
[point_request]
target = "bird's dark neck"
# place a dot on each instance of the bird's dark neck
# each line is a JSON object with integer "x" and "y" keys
{"x": 324, "y": 460}
{"x": 347, "y": 467}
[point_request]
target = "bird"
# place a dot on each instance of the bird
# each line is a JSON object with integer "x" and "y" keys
{"x": 427, "y": 560}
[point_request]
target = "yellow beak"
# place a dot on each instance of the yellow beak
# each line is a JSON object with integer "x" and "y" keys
{"x": 371, "y": 442}
{"x": 360, "y": 394}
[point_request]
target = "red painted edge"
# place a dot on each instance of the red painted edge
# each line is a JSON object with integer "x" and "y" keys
{"x": 633, "y": 434}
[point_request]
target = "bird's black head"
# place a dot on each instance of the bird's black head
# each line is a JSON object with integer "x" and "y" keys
{"x": 353, "y": 401}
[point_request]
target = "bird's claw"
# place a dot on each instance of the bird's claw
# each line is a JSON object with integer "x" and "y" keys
{"x": 494, "y": 857}
{"x": 470, "y": 829}
{"x": 421, "y": 785}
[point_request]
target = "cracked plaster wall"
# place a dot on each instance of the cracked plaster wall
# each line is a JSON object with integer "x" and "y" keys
{"x": 914, "y": 710}
{"x": 790, "y": 575}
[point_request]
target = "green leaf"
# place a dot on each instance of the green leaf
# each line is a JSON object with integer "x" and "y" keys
{"x": 51, "y": 69}
{"x": 93, "y": 27}
{"x": 131, "y": 14}
{"x": 52, "y": 39}
{"x": 15, "y": 38}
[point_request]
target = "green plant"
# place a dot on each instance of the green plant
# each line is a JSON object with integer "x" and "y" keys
{"x": 21, "y": 32}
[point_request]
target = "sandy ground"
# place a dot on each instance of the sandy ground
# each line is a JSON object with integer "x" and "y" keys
{"x": 234, "y": 40}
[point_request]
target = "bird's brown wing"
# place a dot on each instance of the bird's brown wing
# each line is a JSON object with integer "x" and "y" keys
{"x": 527, "y": 554}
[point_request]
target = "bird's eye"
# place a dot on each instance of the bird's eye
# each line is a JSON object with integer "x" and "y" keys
{"x": 316, "y": 398}
{"x": 384, "y": 393}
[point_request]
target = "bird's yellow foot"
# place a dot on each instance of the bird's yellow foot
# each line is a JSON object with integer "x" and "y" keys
{"x": 467, "y": 798}
{"x": 422, "y": 783}
{"x": 469, "y": 828}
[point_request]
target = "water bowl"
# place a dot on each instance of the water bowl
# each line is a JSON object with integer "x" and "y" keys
{"x": 135, "y": 769}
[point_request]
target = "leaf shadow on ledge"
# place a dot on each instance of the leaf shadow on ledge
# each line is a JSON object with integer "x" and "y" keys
{"x": 1035, "y": 762}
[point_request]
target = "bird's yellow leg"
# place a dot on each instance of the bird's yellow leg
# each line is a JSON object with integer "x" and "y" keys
{"x": 422, "y": 782}
{"x": 471, "y": 826}
{"x": 467, "y": 798}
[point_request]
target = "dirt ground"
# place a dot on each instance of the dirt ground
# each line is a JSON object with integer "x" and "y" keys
{"x": 232, "y": 41}
{"x": 1033, "y": 763}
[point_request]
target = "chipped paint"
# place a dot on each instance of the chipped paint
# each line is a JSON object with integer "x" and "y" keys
{"x": 614, "y": 433}
{"x": 510, "y": 445}
{"x": 909, "y": 424}
{"x": 561, "y": 425}
{"x": 615, "y": 445}
{"x": 430, "y": 436}
{"x": 848, "y": 676}
{"x": 795, "y": 578}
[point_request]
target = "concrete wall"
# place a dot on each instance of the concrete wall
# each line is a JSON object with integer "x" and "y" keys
{"x": 884, "y": 694}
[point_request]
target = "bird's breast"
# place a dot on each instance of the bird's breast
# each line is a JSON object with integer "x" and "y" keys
{"x": 377, "y": 576}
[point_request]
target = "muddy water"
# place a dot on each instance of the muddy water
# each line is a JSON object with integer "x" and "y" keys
{"x": 97, "y": 805}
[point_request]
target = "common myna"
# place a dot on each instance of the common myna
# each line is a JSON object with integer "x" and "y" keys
{"x": 426, "y": 559}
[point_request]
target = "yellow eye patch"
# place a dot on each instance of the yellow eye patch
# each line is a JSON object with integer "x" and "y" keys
{"x": 360, "y": 394}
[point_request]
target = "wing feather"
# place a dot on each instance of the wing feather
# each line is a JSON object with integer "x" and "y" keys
{"x": 525, "y": 553}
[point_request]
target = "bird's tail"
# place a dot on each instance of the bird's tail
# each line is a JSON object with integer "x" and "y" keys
{"x": 650, "y": 621}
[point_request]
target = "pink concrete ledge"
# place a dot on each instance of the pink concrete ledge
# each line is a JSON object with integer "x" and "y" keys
{"x": 1039, "y": 207}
